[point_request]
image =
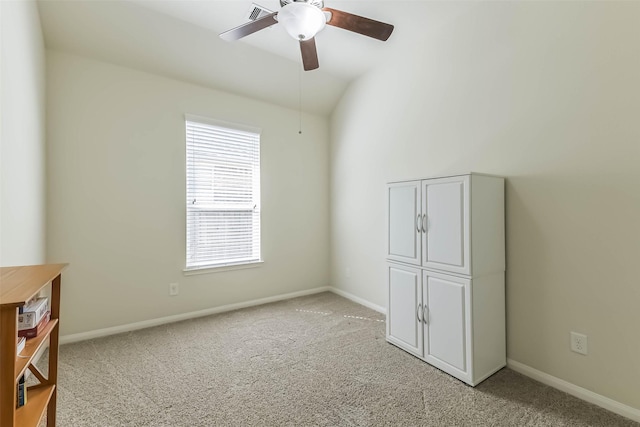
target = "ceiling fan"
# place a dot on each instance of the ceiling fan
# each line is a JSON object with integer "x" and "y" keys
{"x": 303, "y": 19}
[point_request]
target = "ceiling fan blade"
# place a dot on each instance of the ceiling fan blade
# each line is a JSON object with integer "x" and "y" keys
{"x": 309, "y": 54}
{"x": 359, "y": 24}
{"x": 249, "y": 28}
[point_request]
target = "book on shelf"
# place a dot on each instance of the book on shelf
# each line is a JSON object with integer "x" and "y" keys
{"x": 32, "y": 313}
{"x": 32, "y": 304}
{"x": 34, "y": 332}
{"x": 21, "y": 343}
{"x": 22, "y": 393}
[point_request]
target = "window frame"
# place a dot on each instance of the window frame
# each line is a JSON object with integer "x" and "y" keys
{"x": 230, "y": 265}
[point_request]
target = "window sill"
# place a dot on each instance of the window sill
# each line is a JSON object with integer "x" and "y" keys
{"x": 219, "y": 269}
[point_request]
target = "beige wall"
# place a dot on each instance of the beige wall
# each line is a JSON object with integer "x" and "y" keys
{"x": 116, "y": 209}
{"x": 22, "y": 135}
{"x": 546, "y": 94}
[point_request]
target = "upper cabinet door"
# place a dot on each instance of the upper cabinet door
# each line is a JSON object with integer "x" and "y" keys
{"x": 445, "y": 208}
{"x": 404, "y": 222}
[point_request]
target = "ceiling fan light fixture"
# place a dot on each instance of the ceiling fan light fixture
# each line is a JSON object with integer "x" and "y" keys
{"x": 301, "y": 20}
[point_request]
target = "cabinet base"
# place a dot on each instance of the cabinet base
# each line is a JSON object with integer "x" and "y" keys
{"x": 465, "y": 379}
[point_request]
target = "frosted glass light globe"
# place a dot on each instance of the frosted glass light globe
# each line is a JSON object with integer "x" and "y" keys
{"x": 301, "y": 20}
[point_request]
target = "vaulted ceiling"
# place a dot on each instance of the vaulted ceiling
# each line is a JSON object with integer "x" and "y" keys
{"x": 179, "y": 39}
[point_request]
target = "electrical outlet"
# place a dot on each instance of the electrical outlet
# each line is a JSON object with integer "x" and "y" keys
{"x": 578, "y": 343}
{"x": 174, "y": 289}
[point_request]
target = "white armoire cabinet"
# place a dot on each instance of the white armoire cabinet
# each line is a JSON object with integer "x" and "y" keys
{"x": 445, "y": 273}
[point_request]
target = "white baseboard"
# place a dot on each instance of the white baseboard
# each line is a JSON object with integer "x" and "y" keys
{"x": 67, "y": 339}
{"x": 98, "y": 333}
{"x": 577, "y": 391}
{"x": 358, "y": 300}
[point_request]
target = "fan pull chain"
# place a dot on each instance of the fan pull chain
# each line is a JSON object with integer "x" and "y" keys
{"x": 300, "y": 100}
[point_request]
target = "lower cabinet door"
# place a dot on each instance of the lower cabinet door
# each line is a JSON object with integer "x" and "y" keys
{"x": 404, "y": 308}
{"x": 447, "y": 340}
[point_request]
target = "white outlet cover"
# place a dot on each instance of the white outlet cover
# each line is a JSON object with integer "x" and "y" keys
{"x": 579, "y": 343}
{"x": 174, "y": 289}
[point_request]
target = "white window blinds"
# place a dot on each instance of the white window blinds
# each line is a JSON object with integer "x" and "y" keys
{"x": 223, "y": 194}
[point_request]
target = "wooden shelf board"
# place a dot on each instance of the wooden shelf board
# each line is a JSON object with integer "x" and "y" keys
{"x": 32, "y": 347}
{"x": 37, "y": 400}
{"x": 20, "y": 284}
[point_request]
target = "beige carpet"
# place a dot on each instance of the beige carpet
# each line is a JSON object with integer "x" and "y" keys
{"x": 319, "y": 360}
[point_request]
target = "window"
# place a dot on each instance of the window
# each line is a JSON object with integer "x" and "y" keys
{"x": 223, "y": 194}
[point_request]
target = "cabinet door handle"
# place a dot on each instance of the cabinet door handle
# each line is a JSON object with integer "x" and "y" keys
{"x": 418, "y": 223}
{"x": 419, "y": 312}
{"x": 424, "y": 223}
{"x": 425, "y": 315}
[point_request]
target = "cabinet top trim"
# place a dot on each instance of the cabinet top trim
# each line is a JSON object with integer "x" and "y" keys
{"x": 19, "y": 284}
{"x": 446, "y": 176}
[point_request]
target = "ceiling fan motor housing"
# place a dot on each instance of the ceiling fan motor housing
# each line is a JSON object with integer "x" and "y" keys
{"x": 302, "y": 20}
{"x": 317, "y": 3}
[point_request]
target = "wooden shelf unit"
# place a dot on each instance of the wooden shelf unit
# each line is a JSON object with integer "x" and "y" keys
{"x": 18, "y": 285}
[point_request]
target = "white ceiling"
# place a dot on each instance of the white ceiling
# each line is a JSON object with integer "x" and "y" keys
{"x": 180, "y": 39}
